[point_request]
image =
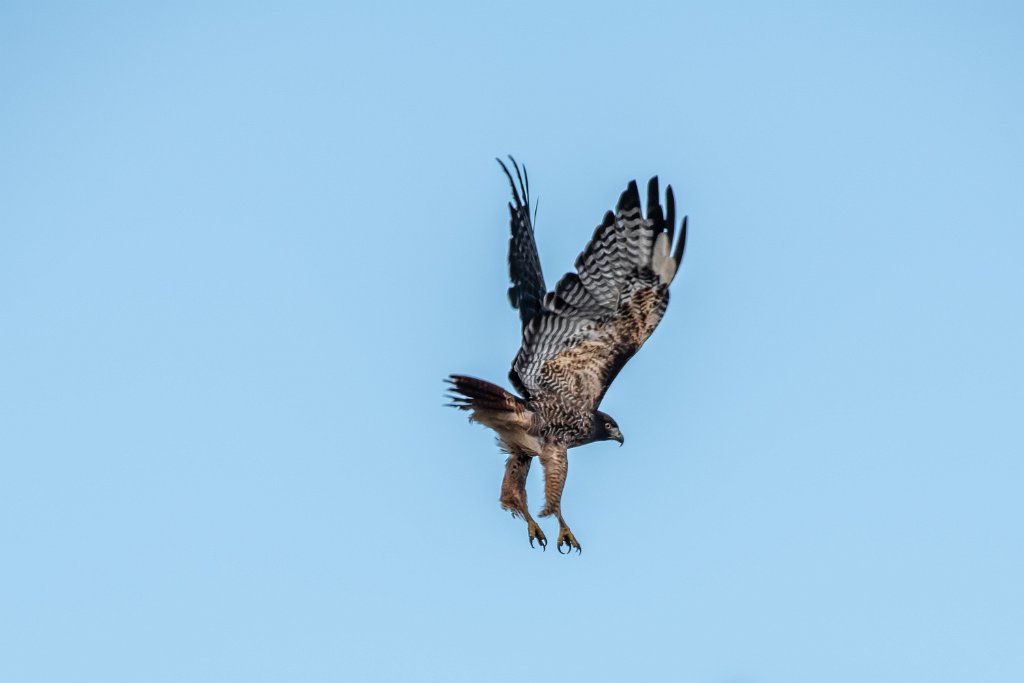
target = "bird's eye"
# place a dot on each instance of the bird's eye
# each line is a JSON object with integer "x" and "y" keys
{"x": 608, "y": 425}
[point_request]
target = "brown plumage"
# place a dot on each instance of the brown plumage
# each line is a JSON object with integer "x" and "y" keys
{"x": 576, "y": 339}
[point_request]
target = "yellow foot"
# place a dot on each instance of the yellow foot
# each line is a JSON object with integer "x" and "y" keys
{"x": 566, "y": 538}
{"x": 537, "y": 535}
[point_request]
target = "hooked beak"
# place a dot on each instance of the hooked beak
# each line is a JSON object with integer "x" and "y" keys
{"x": 620, "y": 439}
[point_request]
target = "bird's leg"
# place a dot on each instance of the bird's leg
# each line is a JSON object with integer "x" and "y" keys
{"x": 513, "y": 495}
{"x": 556, "y": 466}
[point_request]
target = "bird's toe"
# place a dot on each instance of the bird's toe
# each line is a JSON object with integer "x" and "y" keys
{"x": 537, "y": 535}
{"x": 566, "y": 538}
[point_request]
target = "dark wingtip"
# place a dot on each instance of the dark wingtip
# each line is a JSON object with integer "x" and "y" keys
{"x": 670, "y": 213}
{"x": 512, "y": 183}
{"x": 677, "y": 256}
{"x": 630, "y": 199}
{"x": 653, "y": 196}
{"x": 503, "y": 167}
{"x": 522, "y": 186}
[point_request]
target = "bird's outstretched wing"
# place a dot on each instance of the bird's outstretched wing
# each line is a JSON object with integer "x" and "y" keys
{"x": 527, "y": 290}
{"x": 599, "y": 316}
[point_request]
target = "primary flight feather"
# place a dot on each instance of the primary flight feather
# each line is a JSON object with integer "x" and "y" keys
{"x": 576, "y": 339}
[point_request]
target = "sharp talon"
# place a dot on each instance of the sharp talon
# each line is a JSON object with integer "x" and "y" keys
{"x": 566, "y": 538}
{"x": 535, "y": 534}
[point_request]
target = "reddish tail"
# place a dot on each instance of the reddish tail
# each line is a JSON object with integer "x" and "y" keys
{"x": 476, "y": 394}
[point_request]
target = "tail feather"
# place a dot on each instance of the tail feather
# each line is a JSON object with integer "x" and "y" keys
{"x": 490, "y": 405}
{"x": 470, "y": 393}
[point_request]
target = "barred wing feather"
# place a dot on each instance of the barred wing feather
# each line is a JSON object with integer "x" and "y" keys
{"x": 527, "y": 290}
{"x": 597, "y": 318}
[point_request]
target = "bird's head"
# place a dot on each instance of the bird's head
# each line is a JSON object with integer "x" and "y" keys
{"x": 605, "y": 428}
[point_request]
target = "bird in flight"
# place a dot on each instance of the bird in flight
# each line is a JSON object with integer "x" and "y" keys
{"x": 576, "y": 339}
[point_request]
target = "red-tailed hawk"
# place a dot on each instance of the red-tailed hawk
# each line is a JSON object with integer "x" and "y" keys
{"x": 575, "y": 341}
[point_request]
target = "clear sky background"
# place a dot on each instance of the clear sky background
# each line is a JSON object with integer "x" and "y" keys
{"x": 241, "y": 245}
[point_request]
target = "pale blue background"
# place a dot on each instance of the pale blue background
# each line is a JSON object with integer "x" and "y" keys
{"x": 241, "y": 245}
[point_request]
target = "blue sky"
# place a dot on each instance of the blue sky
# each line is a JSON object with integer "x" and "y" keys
{"x": 241, "y": 245}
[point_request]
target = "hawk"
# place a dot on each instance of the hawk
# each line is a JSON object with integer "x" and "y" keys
{"x": 575, "y": 341}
